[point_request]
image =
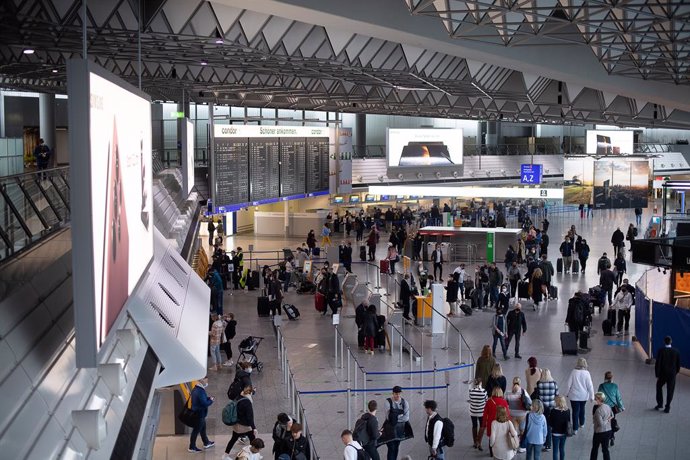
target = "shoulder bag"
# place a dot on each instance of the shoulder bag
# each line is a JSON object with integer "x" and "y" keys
{"x": 513, "y": 441}
{"x": 188, "y": 416}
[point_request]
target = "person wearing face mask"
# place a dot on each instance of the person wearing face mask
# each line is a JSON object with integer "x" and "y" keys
{"x": 504, "y": 298}
{"x": 200, "y": 403}
{"x": 245, "y": 426}
{"x": 566, "y": 250}
{"x": 517, "y": 325}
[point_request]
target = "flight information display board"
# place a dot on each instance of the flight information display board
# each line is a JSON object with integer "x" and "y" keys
{"x": 262, "y": 164}
{"x": 293, "y": 157}
{"x": 232, "y": 173}
{"x": 317, "y": 164}
{"x": 264, "y": 168}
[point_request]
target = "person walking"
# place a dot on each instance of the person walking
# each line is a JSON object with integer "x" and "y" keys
{"x": 533, "y": 374}
{"x": 631, "y": 234}
{"x": 405, "y": 296}
{"x": 546, "y": 392}
{"x": 514, "y": 277}
{"x": 537, "y": 288}
{"x": 433, "y": 431}
{"x": 495, "y": 402}
{"x": 311, "y": 241}
{"x": 452, "y": 295}
{"x": 583, "y": 255}
{"x": 606, "y": 280}
{"x": 437, "y": 257}
{"x": 621, "y": 268}
{"x": 281, "y": 433}
{"x": 519, "y": 403}
{"x": 297, "y": 447}
{"x": 566, "y": 250}
{"x": 371, "y": 244}
{"x": 496, "y": 379}
{"x": 579, "y": 389}
{"x": 666, "y": 368}
{"x": 547, "y": 271}
{"x": 617, "y": 240}
{"x": 216, "y": 340}
{"x": 352, "y": 447}
{"x": 367, "y": 430}
{"x": 460, "y": 275}
{"x": 369, "y": 328}
{"x": 559, "y": 419}
{"x": 477, "y": 400}
{"x": 613, "y": 398}
{"x": 501, "y": 430}
{"x": 623, "y": 302}
{"x": 638, "y": 216}
{"x": 484, "y": 365}
{"x": 245, "y": 426}
{"x": 200, "y": 403}
{"x": 499, "y": 329}
{"x": 495, "y": 281}
{"x": 517, "y": 326}
{"x": 602, "y": 428}
{"x": 535, "y": 430}
{"x": 398, "y": 415}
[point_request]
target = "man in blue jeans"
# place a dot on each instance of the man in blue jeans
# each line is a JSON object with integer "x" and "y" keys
{"x": 397, "y": 414}
{"x": 200, "y": 403}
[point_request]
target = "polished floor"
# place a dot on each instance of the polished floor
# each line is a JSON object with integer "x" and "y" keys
{"x": 645, "y": 433}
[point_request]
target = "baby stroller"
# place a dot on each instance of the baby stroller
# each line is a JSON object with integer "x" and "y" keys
{"x": 248, "y": 349}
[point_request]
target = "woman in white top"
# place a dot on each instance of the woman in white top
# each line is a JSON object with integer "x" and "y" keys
{"x": 579, "y": 389}
{"x": 501, "y": 429}
{"x": 622, "y": 303}
{"x": 519, "y": 403}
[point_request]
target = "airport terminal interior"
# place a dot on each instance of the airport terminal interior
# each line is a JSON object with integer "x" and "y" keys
{"x": 244, "y": 229}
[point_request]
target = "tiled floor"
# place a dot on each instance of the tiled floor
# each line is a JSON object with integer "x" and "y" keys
{"x": 645, "y": 434}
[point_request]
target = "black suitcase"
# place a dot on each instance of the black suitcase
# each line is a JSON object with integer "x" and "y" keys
{"x": 553, "y": 292}
{"x": 568, "y": 343}
{"x": 611, "y": 316}
{"x": 363, "y": 253}
{"x": 469, "y": 286}
{"x": 253, "y": 280}
{"x": 523, "y": 290}
{"x": 466, "y": 309}
{"x": 607, "y": 327}
{"x": 559, "y": 265}
{"x": 583, "y": 340}
{"x": 263, "y": 306}
{"x": 291, "y": 311}
{"x": 576, "y": 266}
{"x": 316, "y": 252}
{"x": 288, "y": 254}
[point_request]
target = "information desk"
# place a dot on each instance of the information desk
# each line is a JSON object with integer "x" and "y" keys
{"x": 491, "y": 243}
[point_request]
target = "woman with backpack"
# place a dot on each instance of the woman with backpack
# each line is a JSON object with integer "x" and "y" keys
{"x": 244, "y": 425}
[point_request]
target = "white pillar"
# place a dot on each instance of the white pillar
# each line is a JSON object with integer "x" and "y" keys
{"x": 46, "y": 120}
{"x": 286, "y": 217}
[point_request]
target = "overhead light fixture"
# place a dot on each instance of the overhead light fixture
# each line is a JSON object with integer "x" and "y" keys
{"x": 219, "y": 38}
{"x": 380, "y": 178}
{"x": 400, "y": 176}
{"x": 503, "y": 171}
{"x": 438, "y": 174}
{"x": 204, "y": 63}
{"x": 419, "y": 175}
{"x": 29, "y": 51}
{"x": 455, "y": 174}
{"x": 488, "y": 174}
{"x": 55, "y": 71}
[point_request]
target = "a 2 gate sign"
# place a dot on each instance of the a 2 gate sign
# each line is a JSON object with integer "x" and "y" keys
{"x": 530, "y": 174}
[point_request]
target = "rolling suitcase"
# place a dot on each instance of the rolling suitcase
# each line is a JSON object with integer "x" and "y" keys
{"x": 263, "y": 306}
{"x": 291, "y": 311}
{"x": 384, "y": 266}
{"x": 568, "y": 343}
{"x": 607, "y": 327}
{"x": 253, "y": 280}
{"x": 553, "y": 292}
{"x": 466, "y": 309}
{"x": 320, "y": 302}
{"x": 363, "y": 253}
{"x": 611, "y": 316}
{"x": 523, "y": 290}
{"x": 576, "y": 266}
{"x": 316, "y": 252}
{"x": 469, "y": 286}
{"x": 559, "y": 265}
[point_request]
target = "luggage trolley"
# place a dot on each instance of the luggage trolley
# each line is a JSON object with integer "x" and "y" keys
{"x": 248, "y": 348}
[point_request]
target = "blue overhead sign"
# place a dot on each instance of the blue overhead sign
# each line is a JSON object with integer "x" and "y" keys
{"x": 530, "y": 174}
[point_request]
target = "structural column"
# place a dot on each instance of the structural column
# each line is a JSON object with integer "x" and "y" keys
{"x": 491, "y": 133}
{"x": 361, "y": 132}
{"x": 46, "y": 121}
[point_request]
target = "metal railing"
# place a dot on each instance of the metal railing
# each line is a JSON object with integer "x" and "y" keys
{"x": 32, "y": 206}
{"x": 291, "y": 392}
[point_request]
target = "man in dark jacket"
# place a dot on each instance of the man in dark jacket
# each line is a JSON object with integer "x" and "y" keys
{"x": 546, "y": 269}
{"x": 297, "y": 444}
{"x": 602, "y": 263}
{"x": 495, "y": 282}
{"x": 617, "y": 240}
{"x": 452, "y": 295}
{"x": 406, "y": 296}
{"x": 367, "y": 431}
{"x": 606, "y": 280}
{"x": 566, "y": 250}
{"x": 360, "y": 315}
{"x": 211, "y": 229}
{"x": 281, "y": 433}
{"x": 621, "y": 268}
{"x": 333, "y": 295}
{"x": 42, "y": 156}
{"x": 517, "y": 325}
{"x": 347, "y": 256}
{"x": 437, "y": 259}
{"x": 575, "y": 317}
{"x": 666, "y": 368}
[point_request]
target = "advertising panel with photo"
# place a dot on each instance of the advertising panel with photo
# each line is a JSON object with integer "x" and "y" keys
{"x": 606, "y": 143}
{"x": 621, "y": 184}
{"x": 578, "y": 180}
{"x": 424, "y": 148}
{"x": 111, "y": 199}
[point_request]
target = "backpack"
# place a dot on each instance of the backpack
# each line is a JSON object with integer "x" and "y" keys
{"x": 360, "y": 433}
{"x": 229, "y": 414}
{"x": 579, "y": 313}
{"x": 361, "y": 453}
{"x": 235, "y": 389}
{"x": 448, "y": 432}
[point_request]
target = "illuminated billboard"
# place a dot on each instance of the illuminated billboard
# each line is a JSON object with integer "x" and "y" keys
{"x": 621, "y": 184}
{"x": 605, "y": 143}
{"x": 424, "y": 148}
{"x": 111, "y": 194}
{"x": 578, "y": 180}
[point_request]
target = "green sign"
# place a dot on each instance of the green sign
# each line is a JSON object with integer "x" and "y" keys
{"x": 489, "y": 247}
{"x": 176, "y": 114}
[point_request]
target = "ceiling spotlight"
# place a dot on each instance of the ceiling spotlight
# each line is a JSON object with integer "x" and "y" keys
{"x": 219, "y": 38}
{"x": 488, "y": 174}
{"x": 419, "y": 175}
{"x": 360, "y": 178}
{"x": 503, "y": 171}
{"x": 29, "y": 51}
{"x": 380, "y": 178}
{"x": 204, "y": 63}
{"x": 455, "y": 174}
{"x": 55, "y": 71}
{"x": 546, "y": 171}
{"x": 400, "y": 176}
{"x": 438, "y": 174}
{"x": 471, "y": 173}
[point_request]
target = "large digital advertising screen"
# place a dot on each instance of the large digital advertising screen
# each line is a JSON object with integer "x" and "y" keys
{"x": 606, "y": 143}
{"x": 621, "y": 184}
{"x": 578, "y": 180}
{"x": 424, "y": 148}
{"x": 112, "y": 203}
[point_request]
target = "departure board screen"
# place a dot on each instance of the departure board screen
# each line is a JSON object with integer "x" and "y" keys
{"x": 264, "y": 168}
{"x": 317, "y": 164}
{"x": 232, "y": 172}
{"x": 292, "y": 164}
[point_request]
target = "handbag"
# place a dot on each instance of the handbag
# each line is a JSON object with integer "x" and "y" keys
{"x": 513, "y": 441}
{"x": 569, "y": 429}
{"x": 614, "y": 425}
{"x": 188, "y": 416}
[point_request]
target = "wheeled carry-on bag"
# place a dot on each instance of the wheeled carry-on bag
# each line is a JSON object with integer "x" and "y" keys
{"x": 568, "y": 343}
{"x": 523, "y": 290}
{"x": 263, "y": 306}
{"x": 466, "y": 309}
{"x": 576, "y": 266}
{"x": 607, "y": 327}
{"x": 363, "y": 253}
{"x": 553, "y": 292}
{"x": 320, "y": 302}
{"x": 559, "y": 265}
{"x": 291, "y": 311}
